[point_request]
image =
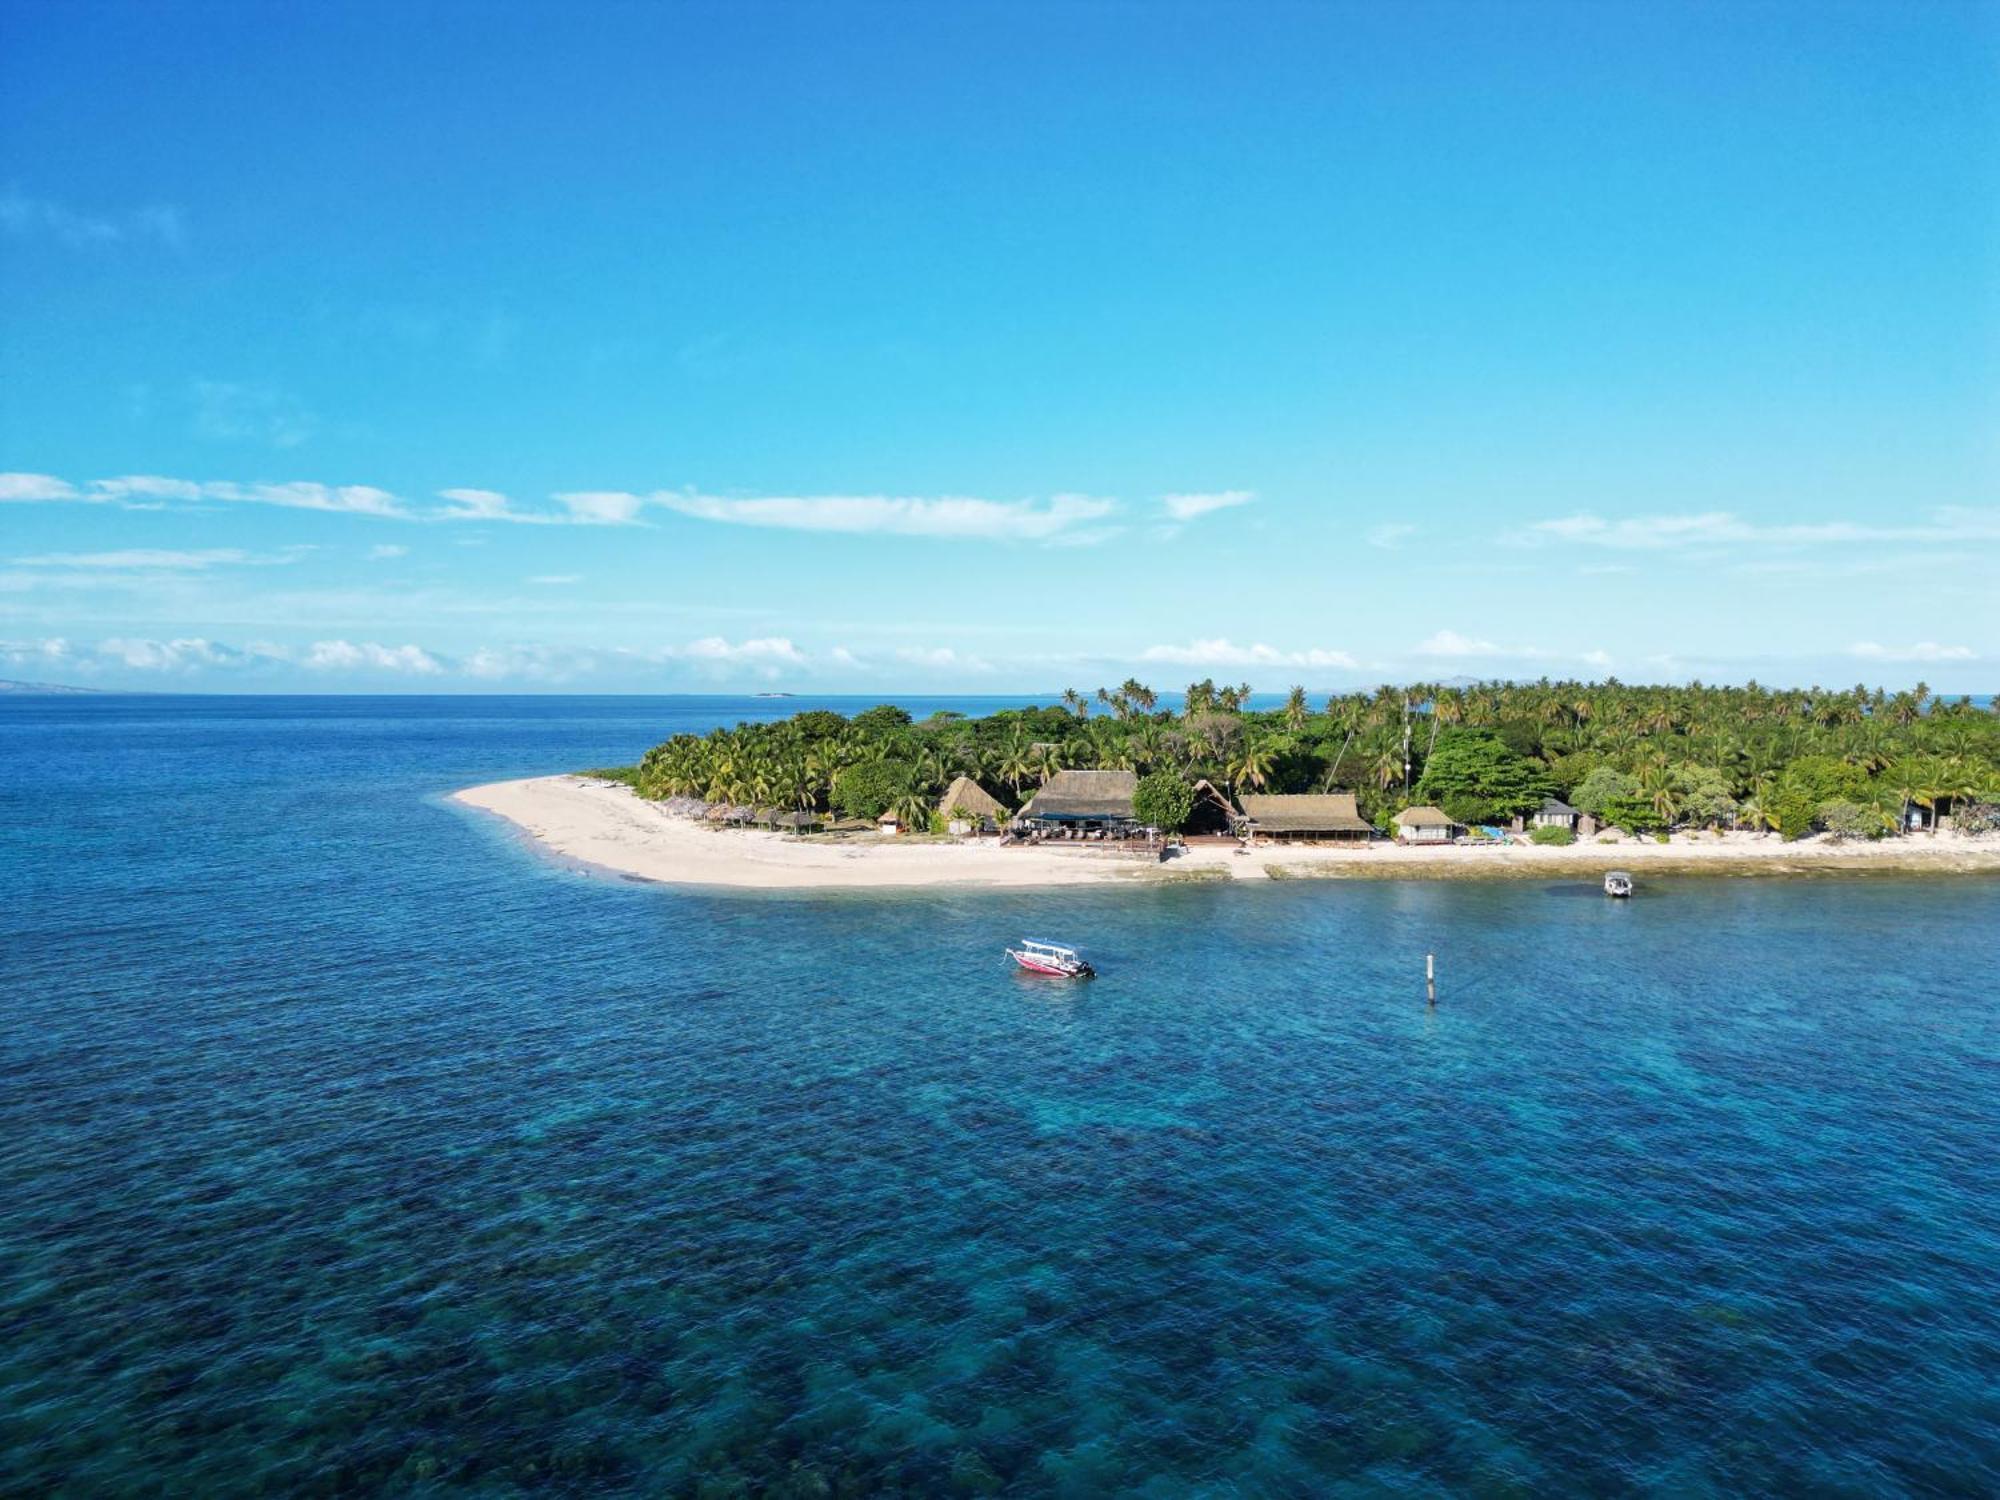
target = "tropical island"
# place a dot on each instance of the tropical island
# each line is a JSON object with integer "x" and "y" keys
{"x": 1490, "y": 778}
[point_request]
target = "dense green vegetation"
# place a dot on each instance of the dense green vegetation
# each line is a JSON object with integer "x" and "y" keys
{"x": 1854, "y": 762}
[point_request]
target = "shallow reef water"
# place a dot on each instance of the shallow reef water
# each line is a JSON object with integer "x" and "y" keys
{"x": 347, "y": 1145}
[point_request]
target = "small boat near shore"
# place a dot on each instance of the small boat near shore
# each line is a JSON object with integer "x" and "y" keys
{"x": 1052, "y": 960}
{"x": 1617, "y": 883}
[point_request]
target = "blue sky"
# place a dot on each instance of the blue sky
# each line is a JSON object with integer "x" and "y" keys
{"x": 993, "y": 348}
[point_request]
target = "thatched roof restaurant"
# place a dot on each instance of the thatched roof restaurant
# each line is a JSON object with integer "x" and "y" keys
{"x": 968, "y": 798}
{"x": 1084, "y": 797}
{"x": 1329, "y": 815}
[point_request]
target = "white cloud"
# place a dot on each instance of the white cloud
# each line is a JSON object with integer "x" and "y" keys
{"x": 1451, "y": 643}
{"x": 354, "y": 499}
{"x": 840, "y": 656}
{"x": 49, "y": 651}
{"x": 950, "y": 516}
{"x": 528, "y": 663}
{"x": 479, "y": 505}
{"x": 33, "y": 487}
{"x": 1222, "y": 652}
{"x": 941, "y": 658}
{"x": 1601, "y": 659}
{"x": 601, "y": 507}
{"x": 1725, "y": 528}
{"x": 767, "y": 651}
{"x": 161, "y": 558}
{"x": 384, "y": 551}
{"x": 1920, "y": 651}
{"x": 1189, "y": 507}
{"x": 143, "y": 487}
{"x": 1390, "y": 534}
{"x": 556, "y": 580}
{"x": 348, "y": 656}
{"x": 581, "y": 508}
{"x": 168, "y": 656}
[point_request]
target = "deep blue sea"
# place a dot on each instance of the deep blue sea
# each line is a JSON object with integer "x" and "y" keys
{"x": 348, "y": 1146}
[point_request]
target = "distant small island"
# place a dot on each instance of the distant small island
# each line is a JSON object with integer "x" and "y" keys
{"x": 44, "y": 689}
{"x": 1429, "y": 779}
{"x": 777, "y": 695}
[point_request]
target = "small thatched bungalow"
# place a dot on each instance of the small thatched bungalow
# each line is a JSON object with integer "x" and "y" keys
{"x": 968, "y": 800}
{"x": 797, "y": 822}
{"x": 889, "y": 822}
{"x": 1425, "y": 825}
{"x": 1084, "y": 800}
{"x": 1329, "y": 815}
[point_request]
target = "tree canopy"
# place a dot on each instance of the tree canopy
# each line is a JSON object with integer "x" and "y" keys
{"x": 1638, "y": 756}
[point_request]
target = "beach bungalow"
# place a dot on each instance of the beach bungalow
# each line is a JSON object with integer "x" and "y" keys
{"x": 1084, "y": 802}
{"x": 1425, "y": 825}
{"x": 797, "y": 822}
{"x": 1555, "y": 813}
{"x": 1327, "y": 816}
{"x": 889, "y": 822}
{"x": 967, "y": 806}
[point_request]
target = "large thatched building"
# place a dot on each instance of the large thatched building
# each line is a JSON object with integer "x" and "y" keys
{"x": 1328, "y": 815}
{"x": 1084, "y": 799}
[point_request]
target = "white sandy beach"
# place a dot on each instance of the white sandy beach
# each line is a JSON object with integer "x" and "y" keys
{"x": 604, "y": 824}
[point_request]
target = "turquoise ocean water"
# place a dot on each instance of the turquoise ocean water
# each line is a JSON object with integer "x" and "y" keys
{"x": 346, "y": 1145}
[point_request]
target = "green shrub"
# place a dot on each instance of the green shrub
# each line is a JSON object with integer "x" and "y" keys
{"x": 625, "y": 775}
{"x": 1557, "y": 836}
{"x": 1163, "y": 800}
{"x": 866, "y": 790}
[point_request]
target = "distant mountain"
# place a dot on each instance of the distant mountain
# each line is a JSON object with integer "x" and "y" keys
{"x": 8, "y": 686}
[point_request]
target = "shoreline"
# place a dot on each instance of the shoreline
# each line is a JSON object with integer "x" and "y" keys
{"x": 608, "y": 826}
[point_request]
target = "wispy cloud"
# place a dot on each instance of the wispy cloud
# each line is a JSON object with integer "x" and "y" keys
{"x": 1721, "y": 528}
{"x": 226, "y": 411}
{"x": 1390, "y": 534}
{"x": 1060, "y": 520}
{"x": 1451, "y": 643}
{"x": 556, "y": 580}
{"x": 947, "y": 516}
{"x": 138, "y": 558}
{"x": 1220, "y": 651}
{"x": 152, "y": 490}
{"x": 600, "y": 507}
{"x": 770, "y": 650}
{"x": 348, "y": 656}
{"x": 25, "y": 218}
{"x": 941, "y": 658}
{"x": 384, "y": 551}
{"x": 1190, "y": 507}
{"x": 1917, "y": 652}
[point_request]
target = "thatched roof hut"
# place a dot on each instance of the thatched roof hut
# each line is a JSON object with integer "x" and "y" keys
{"x": 1213, "y": 811}
{"x": 796, "y": 822}
{"x": 1326, "y": 815}
{"x": 967, "y": 797}
{"x": 1425, "y": 825}
{"x": 1084, "y": 797}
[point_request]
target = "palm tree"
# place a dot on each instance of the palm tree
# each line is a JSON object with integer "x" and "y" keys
{"x": 1017, "y": 762}
{"x": 1295, "y": 710}
{"x": 1252, "y": 767}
